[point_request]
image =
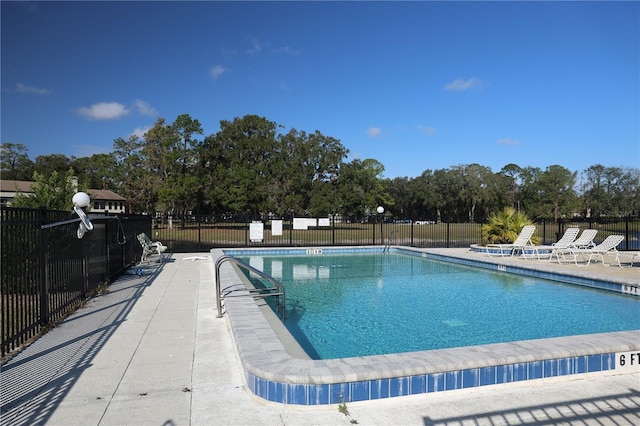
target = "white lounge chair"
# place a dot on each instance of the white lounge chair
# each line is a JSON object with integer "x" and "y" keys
{"x": 521, "y": 243}
{"x": 150, "y": 247}
{"x": 606, "y": 247}
{"x": 584, "y": 241}
{"x": 568, "y": 237}
{"x": 564, "y": 242}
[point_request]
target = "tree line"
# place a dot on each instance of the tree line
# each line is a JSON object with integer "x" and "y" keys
{"x": 251, "y": 167}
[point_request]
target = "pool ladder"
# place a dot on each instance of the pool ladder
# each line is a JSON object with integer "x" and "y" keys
{"x": 276, "y": 291}
{"x": 389, "y": 238}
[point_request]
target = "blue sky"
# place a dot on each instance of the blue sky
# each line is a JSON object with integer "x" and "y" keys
{"x": 414, "y": 85}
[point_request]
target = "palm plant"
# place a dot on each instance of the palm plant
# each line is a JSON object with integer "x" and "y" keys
{"x": 505, "y": 226}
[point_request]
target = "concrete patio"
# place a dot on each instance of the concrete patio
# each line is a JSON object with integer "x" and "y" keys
{"x": 151, "y": 351}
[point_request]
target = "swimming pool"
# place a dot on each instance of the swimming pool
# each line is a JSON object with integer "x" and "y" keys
{"x": 342, "y": 306}
{"x": 277, "y": 370}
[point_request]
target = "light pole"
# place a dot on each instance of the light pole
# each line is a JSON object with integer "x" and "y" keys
{"x": 380, "y": 217}
{"x": 80, "y": 200}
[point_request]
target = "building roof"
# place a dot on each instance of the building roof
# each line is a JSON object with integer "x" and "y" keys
{"x": 25, "y": 187}
{"x": 104, "y": 194}
{"x": 15, "y": 185}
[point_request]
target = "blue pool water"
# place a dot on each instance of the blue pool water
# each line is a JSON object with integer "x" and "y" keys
{"x": 341, "y": 305}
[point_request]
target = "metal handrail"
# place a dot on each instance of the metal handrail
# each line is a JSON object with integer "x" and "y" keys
{"x": 256, "y": 292}
{"x": 386, "y": 247}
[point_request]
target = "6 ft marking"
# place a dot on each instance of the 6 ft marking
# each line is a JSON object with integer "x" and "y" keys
{"x": 628, "y": 360}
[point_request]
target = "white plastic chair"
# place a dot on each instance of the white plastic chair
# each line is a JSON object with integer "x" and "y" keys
{"x": 606, "y": 247}
{"x": 150, "y": 247}
{"x": 522, "y": 242}
{"x": 567, "y": 238}
{"x": 584, "y": 241}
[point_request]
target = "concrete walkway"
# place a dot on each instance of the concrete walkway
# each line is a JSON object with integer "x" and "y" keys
{"x": 151, "y": 351}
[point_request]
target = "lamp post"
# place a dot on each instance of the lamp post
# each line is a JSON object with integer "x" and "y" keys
{"x": 80, "y": 200}
{"x": 380, "y": 217}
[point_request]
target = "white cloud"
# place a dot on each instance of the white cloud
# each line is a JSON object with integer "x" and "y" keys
{"x": 217, "y": 71}
{"x": 144, "y": 108}
{"x": 461, "y": 85}
{"x": 427, "y": 131}
{"x": 104, "y": 111}
{"x": 22, "y": 88}
{"x": 374, "y": 132}
{"x": 140, "y": 131}
{"x": 115, "y": 110}
{"x": 508, "y": 142}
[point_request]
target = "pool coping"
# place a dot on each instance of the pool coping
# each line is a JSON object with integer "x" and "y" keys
{"x": 274, "y": 374}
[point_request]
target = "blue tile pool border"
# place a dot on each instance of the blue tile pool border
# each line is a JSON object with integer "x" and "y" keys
{"x": 273, "y": 374}
{"x": 366, "y": 390}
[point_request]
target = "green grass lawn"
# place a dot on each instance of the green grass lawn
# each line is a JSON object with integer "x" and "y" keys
{"x": 341, "y": 234}
{"x": 427, "y": 235}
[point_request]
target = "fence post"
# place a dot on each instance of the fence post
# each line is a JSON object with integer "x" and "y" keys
{"x": 448, "y": 235}
{"x": 626, "y": 233}
{"x": 373, "y": 241}
{"x": 291, "y": 230}
{"x": 333, "y": 229}
{"x": 44, "y": 270}
{"x": 412, "y": 225}
{"x": 247, "y": 222}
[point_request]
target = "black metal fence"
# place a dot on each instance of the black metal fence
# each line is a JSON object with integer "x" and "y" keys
{"x": 47, "y": 272}
{"x": 201, "y": 233}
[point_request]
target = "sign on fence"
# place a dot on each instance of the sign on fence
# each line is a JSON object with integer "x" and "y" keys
{"x": 276, "y": 227}
{"x": 256, "y": 231}
{"x": 300, "y": 223}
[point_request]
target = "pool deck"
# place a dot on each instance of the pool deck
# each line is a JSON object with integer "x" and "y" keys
{"x": 152, "y": 351}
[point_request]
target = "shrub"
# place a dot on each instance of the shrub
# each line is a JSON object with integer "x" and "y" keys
{"x": 505, "y": 226}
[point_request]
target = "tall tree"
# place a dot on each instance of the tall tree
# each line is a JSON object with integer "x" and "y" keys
{"x": 170, "y": 154}
{"x": 610, "y": 191}
{"x": 307, "y": 176}
{"x": 402, "y": 190}
{"x": 511, "y": 173}
{"x": 47, "y": 164}
{"x": 594, "y": 196}
{"x": 360, "y": 190}
{"x": 240, "y": 159}
{"x": 428, "y": 200}
{"x": 325, "y": 159}
{"x": 628, "y": 196}
{"x": 476, "y": 186}
{"x": 96, "y": 171}
{"x": 184, "y": 185}
{"x": 529, "y": 191}
{"x": 14, "y": 162}
{"x": 447, "y": 185}
{"x": 556, "y": 194}
{"x": 132, "y": 177}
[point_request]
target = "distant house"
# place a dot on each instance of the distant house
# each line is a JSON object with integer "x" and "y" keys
{"x": 9, "y": 189}
{"x": 102, "y": 200}
{"x": 106, "y": 201}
